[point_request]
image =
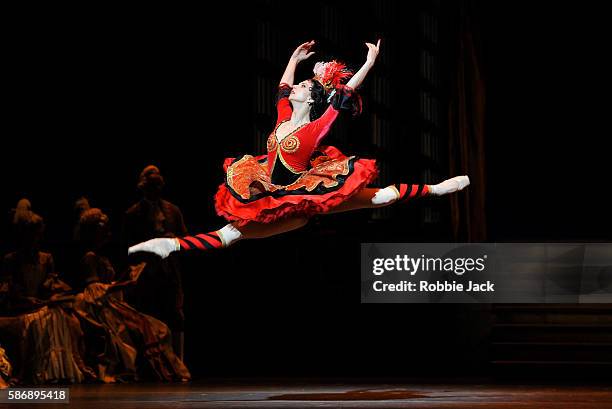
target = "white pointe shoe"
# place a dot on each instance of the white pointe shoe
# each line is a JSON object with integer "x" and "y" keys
{"x": 160, "y": 246}
{"x": 449, "y": 186}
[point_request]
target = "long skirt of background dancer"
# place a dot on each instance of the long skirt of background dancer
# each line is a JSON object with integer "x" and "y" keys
{"x": 46, "y": 346}
{"x": 124, "y": 343}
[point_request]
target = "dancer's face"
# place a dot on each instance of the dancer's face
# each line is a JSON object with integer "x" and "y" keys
{"x": 301, "y": 92}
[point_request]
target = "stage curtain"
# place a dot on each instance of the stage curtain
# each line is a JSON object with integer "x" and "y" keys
{"x": 467, "y": 129}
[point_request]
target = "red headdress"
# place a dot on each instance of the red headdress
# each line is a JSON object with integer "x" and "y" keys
{"x": 331, "y": 74}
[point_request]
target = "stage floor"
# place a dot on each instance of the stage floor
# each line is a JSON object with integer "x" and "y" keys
{"x": 333, "y": 394}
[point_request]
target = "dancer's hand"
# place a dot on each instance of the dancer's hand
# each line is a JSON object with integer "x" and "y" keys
{"x": 360, "y": 75}
{"x": 372, "y": 52}
{"x": 303, "y": 51}
{"x": 160, "y": 246}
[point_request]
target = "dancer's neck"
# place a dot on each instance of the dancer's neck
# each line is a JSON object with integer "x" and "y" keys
{"x": 301, "y": 114}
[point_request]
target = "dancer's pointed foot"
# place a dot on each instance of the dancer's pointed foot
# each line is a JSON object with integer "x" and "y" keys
{"x": 160, "y": 246}
{"x": 449, "y": 186}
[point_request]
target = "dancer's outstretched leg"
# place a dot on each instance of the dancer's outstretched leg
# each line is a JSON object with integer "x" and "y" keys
{"x": 224, "y": 237}
{"x": 229, "y": 234}
{"x": 379, "y": 197}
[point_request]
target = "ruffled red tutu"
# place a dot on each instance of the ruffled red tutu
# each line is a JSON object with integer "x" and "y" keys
{"x": 249, "y": 195}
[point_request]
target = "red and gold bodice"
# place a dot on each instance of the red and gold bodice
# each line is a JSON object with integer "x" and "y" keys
{"x": 297, "y": 176}
{"x": 289, "y": 157}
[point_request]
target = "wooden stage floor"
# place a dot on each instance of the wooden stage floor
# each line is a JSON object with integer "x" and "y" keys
{"x": 334, "y": 394}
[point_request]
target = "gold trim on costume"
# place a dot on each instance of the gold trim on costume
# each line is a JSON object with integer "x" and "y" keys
{"x": 230, "y": 169}
{"x": 298, "y": 184}
{"x": 271, "y": 143}
{"x": 324, "y": 174}
{"x": 290, "y": 144}
{"x": 288, "y": 166}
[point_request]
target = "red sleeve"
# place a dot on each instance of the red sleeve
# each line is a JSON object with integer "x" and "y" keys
{"x": 283, "y": 106}
{"x": 344, "y": 99}
{"x": 320, "y": 127}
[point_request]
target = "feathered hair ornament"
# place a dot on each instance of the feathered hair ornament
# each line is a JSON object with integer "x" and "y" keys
{"x": 331, "y": 74}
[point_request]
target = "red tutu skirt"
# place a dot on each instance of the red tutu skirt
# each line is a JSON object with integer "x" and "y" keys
{"x": 248, "y": 195}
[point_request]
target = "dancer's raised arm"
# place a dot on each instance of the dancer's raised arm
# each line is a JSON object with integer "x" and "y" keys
{"x": 300, "y": 54}
{"x": 360, "y": 75}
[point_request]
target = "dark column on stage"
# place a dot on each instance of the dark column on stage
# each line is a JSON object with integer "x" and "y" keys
{"x": 381, "y": 107}
{"x": 266, "y": 77}
{"x": 432, "y": 136}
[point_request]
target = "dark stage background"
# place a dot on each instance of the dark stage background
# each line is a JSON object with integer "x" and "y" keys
{"x": 94, "y": 97}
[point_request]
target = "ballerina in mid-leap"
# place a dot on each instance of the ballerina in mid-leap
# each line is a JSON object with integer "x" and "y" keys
{"x": 270, "y": 194}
